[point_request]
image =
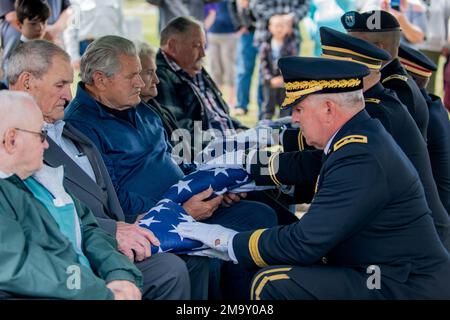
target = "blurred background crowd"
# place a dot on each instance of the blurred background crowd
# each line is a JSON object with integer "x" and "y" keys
{"x": 245, "y": 38}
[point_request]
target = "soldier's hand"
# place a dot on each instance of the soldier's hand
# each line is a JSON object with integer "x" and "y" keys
{"x": 200, "y": 208}
{"x": 134, "y": 241}
{"x": 213, "y": 235}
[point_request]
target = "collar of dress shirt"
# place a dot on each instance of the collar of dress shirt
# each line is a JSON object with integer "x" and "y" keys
{"x": 328, "y": 145}
{"x": 175, "y": 67}
{"x": 4, "y": 175}
{"x": 23, "y": 38}
{"x": 55, "y": 130}
{"x": 52, "y": 179}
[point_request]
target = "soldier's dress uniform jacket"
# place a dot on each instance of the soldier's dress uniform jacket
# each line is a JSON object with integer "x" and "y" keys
{"x": 421, "y": 68}
{"x": 395, "y": 77}
{"x": 369, "y": 209}
{"x": 383, "y": 104}
{"x": 439, "y": 146}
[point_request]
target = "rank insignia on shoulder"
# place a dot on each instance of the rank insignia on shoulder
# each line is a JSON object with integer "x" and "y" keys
{"x": 349, "y": 139}
{"x": 373, "y": 100}
{"x": 395, "y": 76}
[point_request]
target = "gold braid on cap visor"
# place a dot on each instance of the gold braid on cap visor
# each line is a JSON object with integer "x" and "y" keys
{"x": 309, "y": 86}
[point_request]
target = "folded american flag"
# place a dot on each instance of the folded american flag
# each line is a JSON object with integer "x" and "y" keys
{"x": 163, "y": 221}
{"x": 164, "y": 218}
{"x": 255, "y": 138}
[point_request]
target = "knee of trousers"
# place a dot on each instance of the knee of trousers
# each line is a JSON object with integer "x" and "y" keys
{"x": 264, "y": 215}
{"x": 177, "y": 267}
{"x": 168, "y": 269}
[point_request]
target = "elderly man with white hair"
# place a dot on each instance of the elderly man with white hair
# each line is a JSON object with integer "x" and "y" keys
{"x": 51, "y": 245}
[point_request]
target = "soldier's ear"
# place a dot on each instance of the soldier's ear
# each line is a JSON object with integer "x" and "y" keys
{"x": 380, "y": 45}
{"x": 330, "y": 110}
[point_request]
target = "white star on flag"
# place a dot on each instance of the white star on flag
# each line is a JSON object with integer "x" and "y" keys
{"x": 218, "y": 171}
{"x": 160, "y": 250}
{"x": 159, "y": 207}
{"x": 147, "y": 222}
{"x": 175, "y": 230}
{"x": 186, "y": 217}
{"x": 245, "y": 180}
{"x": 219, "y": 192}
{"x": 183, "y": 185}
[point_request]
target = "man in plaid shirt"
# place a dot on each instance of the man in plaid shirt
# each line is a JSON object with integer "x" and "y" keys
{"x": 185, "y": 88}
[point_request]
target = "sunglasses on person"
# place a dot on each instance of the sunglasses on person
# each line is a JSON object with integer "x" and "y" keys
{"x": 42, "y": 134}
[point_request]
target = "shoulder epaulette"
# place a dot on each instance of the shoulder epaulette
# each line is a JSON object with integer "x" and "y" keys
{"x": 373, "y": 100}
{"x": 349, "y": 139}
{"x": 395, "y": 76}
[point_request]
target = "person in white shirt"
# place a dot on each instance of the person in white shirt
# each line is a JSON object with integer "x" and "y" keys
{"x": 92, "y": 19}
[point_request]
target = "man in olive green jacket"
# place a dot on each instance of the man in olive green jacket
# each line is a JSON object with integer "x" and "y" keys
{"x": 42, "y": 256}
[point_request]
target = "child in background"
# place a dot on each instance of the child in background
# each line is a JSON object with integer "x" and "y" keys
{"x": 280, "y": 44}
{"x": 32, "y": 16}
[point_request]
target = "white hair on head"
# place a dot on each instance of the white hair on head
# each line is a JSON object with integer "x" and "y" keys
{"x": 144, "y": 49}
{"x": 350, "y": 100}
{"x": 14, "y": 107}
{"x": 103, "y": 55}
{"x": 35, "y": 57}
{"x": 10, "y": 99}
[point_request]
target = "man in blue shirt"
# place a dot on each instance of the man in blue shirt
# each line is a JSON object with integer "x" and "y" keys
{"x": 132, "y": 141}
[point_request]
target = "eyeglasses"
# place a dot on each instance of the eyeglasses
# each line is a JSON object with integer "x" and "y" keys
{"x": 42, "y": 134}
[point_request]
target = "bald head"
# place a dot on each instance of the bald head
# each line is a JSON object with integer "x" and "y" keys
{"x": 179, "y": 27}
{"x": 183, "y": 41}
{"x": 22, "y": 150}
{"x": 17, "y": 109}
